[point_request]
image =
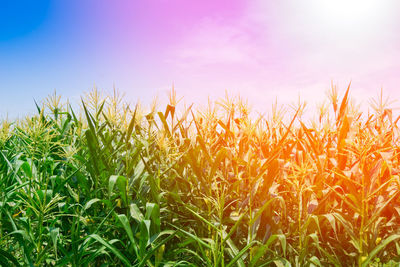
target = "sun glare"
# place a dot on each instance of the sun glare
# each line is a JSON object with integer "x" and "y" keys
{"x": 359, "y": 15}
{"x": 350, "y": 10}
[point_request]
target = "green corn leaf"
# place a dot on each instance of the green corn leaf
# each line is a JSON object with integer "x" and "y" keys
{"x": 240, "y": 254}
{"x": 112, "y": 248}
{"x": 378, "y": 248}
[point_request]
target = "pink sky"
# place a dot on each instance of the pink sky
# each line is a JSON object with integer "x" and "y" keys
{"x": 278, "y": 48}
{"x": 258, "y": 49}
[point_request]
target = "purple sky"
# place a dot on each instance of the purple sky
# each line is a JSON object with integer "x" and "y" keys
{"x": 258, "y": 49}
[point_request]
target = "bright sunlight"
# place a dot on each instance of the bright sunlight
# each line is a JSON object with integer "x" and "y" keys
{"x": 359, "y": 15}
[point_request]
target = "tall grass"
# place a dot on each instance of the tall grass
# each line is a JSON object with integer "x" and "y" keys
{"x": 118, "y": 185}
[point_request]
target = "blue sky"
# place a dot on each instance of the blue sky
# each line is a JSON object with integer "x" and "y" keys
{"x": 63, "y": 45}
{"x": 259, "y": 49}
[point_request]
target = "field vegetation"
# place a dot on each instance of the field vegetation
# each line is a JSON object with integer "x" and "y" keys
{"x": 116, "y": 185}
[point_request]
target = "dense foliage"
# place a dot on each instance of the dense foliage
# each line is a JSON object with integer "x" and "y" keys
{"x": 113, "y": 185}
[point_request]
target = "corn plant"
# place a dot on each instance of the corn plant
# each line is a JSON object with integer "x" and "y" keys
{"x": 107, "y": 183}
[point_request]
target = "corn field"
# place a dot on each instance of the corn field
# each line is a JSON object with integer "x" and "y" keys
{"x": 109, "y": 184}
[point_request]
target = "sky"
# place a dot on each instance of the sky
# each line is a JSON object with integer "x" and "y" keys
{"x": 262, "y": 50}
